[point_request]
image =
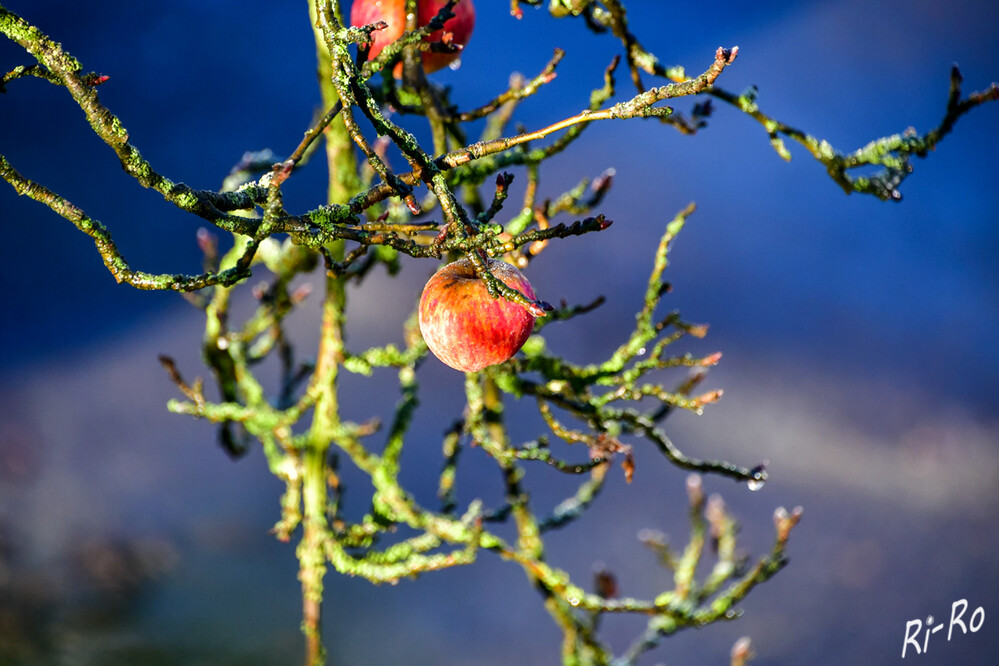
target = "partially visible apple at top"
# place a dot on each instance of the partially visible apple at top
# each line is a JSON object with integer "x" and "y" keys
{"x": 393, "y": 12}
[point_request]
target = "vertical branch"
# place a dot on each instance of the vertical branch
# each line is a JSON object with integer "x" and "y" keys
{"x": 485, "y": 422}
{"x": 343, "y": 183}
{"x": 413, "y": 75}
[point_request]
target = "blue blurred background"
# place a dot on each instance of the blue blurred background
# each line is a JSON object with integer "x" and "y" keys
{"x": 859, "y": 342}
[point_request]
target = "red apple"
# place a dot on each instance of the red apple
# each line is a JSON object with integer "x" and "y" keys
{"x": 464, "y": 326}
{"x": 393, "y": 12}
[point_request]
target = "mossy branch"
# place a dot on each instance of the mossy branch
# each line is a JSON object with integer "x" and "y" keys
{"x": 891, "y": 153}
{"x": 113, "y": 260}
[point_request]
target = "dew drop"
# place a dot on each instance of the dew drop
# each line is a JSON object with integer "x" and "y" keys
{"x": 454, "y": 64}
{"x": 759, "y": 477}
{"x": 641, "y": 352}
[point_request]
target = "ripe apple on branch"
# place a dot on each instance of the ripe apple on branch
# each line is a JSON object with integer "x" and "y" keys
{"x": 464, "y": 325}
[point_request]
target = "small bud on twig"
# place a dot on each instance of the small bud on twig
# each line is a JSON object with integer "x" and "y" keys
{"x": 605, "y": 582}
{"x": 785, "y": 522}
{"x": 742, "y": 651}
{"x": 695, "y": 491}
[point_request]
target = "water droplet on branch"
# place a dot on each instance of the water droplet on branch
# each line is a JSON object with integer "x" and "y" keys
{"x": 758, "y": 477}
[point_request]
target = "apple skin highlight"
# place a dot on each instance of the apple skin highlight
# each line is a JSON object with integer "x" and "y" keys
{"x": 465, "y": 327}
{"x": 393, "y": 12}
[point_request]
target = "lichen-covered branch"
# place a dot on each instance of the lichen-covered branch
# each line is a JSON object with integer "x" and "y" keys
{"x": 113, "y": 260}
{"x": 891, "y": 153}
